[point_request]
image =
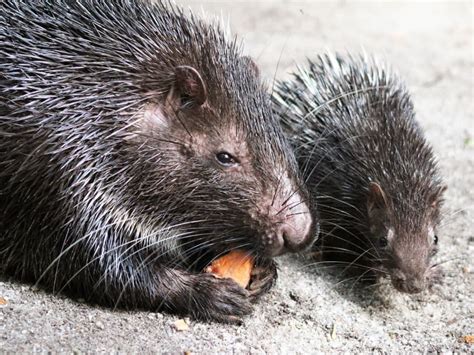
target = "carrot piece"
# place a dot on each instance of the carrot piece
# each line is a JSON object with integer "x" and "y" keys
{"x": 236, "y": 265}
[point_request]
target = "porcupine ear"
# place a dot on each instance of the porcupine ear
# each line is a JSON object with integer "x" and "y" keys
{"x": 189, "y": 89}
{"x": 252, "y": 65}
{"x": 376, "y": 200}
{"x": 436, "y": 198}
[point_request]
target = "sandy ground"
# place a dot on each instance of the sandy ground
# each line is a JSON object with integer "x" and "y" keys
{"x": 431, "y": 45}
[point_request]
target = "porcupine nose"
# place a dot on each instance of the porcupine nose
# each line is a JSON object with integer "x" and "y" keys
{"x": 415, "y": 285}
{"x": 409, "y": 284}
{"x": 295, "y": 229}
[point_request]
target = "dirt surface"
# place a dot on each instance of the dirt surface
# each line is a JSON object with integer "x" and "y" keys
{"x": 431, "y": 45}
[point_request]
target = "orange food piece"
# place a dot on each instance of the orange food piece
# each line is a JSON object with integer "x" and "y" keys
{"x": 236, "y": 265}
{"x": 469, "y": 339}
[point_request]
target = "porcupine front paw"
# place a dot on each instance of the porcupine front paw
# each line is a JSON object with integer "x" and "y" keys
{"x": 219, "y": 299}
{"x": 263, "y": 277}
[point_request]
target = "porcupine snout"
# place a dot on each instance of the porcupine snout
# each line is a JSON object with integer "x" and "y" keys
{"x": 292, "y": 227}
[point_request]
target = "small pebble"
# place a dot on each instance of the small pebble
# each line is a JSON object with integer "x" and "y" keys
{"x": 333, "y": 332}
{"x": 180, "y": 325}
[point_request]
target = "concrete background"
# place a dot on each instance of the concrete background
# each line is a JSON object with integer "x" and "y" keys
{"x": 431, "y": 45}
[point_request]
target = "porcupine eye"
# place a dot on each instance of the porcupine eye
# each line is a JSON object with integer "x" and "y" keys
{"x": 435, "y": 239}
{"x": 383, "y": 242}
{"x": 226, "y": 159}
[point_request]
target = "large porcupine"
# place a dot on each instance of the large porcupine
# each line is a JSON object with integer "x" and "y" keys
{"x": 366, "y": 159}
{"x": 137, "y": 144}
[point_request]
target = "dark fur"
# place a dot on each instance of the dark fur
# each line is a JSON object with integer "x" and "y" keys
{"x": 367, "y": 161}
{"x": 109, "y": 184}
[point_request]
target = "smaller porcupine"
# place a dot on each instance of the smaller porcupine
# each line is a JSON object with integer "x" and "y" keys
{"x": 137, "y": 145}
{"x": 366, "y": 159}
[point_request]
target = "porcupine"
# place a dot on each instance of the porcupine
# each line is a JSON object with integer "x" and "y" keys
{"x": 137, "y": 144}
{"x": 369, "y": 166}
